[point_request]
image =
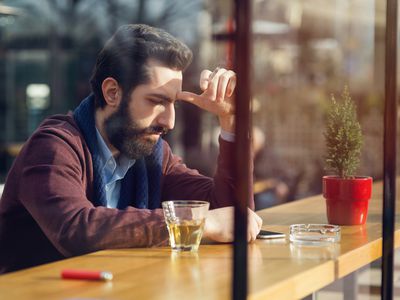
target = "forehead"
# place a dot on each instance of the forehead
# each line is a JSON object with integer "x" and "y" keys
{"x": 162, "y": 77}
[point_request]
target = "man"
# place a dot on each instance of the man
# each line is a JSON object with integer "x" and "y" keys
{"x": 95, "y": 179}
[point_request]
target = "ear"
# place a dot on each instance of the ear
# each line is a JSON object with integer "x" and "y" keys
{"x": 112, "y": 92}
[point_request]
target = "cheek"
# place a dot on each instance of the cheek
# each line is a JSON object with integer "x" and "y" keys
{"x": 145, "y": 123}
{"x": 142, "y": 117}
{"x": 151, "y": 116}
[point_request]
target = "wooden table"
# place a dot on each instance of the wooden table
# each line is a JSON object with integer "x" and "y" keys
{"x": 277, "y": 268}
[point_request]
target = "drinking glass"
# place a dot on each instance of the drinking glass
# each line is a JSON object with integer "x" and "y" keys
{"x": 185, "y": 222}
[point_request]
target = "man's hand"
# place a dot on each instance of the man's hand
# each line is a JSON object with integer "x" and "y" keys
{"x": 218, "y": 88}
{"x": 219, "y": 225}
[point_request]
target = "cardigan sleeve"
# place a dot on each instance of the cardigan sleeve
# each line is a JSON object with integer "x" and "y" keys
{"x": 181, "y": 182}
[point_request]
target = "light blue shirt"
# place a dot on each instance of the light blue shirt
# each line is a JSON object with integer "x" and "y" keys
{"x": 112, "y": 171}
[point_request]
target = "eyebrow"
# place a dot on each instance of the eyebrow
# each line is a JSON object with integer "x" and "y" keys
{"x": 161, "y": 96}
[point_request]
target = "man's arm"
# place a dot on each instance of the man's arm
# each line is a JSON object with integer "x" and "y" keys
{"x": 218, "y": 88}
{"x": 54, "y": 187}
{"x": 180, "y": 182}
{"x": 217, "y": 98}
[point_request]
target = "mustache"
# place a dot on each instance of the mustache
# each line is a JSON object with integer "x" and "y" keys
{"x": 155, "y": 130}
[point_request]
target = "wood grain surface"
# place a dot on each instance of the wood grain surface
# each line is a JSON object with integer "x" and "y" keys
{"x": 278, "y": 269}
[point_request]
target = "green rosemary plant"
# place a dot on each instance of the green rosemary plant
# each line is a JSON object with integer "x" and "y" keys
{"x": 343, "y": 137}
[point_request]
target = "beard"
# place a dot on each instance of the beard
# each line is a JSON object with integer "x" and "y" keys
{"x": 128, "y": 137}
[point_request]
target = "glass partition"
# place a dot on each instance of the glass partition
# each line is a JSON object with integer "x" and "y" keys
{"x": 303, "y": 52}
{"x": 52, "y": 45}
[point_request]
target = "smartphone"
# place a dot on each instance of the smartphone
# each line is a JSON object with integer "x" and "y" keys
{"x": 266, "y": 234}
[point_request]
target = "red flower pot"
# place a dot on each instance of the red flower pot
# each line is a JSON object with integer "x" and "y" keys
{"x": 347, "y": 199}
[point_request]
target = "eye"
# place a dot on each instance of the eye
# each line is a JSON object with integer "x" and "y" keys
{"x": 156, "y": 101}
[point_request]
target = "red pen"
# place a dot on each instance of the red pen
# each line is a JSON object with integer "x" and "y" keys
{"x": 86, "y": 274}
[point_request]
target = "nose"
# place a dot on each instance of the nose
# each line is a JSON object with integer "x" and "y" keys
{"x": 166, "y": 119}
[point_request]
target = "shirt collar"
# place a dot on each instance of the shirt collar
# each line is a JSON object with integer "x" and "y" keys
{"x": 109, "y": 165}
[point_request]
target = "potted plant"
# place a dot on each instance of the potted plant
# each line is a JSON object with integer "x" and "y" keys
{"x": 347, "y": 195}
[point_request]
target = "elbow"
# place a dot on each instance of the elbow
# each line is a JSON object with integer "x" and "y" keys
{"x": 69, "y": 246}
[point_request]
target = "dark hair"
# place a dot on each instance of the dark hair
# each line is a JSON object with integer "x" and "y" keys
{"x": 126, "y": 53}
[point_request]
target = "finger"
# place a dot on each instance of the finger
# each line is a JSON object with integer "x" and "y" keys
{"x": 222, "y": 87}
{"x": 214, "y": 73}
{"x": 253, "y": 231}
{"x": 204, "y": 79}
{"x": 211, "y": 91}
{"x": 257, "y": 229}
{"x": 231, "y": 85}
{"x": 258, "y": 220}
{"x": 230, "y": 82}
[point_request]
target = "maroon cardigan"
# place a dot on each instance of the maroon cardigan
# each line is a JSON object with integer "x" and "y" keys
{"x": 46, "y": 212}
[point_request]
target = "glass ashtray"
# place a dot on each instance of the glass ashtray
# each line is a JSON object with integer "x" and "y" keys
{"x": 314, "y": 234}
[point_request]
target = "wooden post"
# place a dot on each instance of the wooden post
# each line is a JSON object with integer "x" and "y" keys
{"x": 389, "y": 141}
{"x": 242, "y": 147}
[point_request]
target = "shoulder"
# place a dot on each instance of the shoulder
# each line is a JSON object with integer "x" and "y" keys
{"x": 60, "y": 126}
{"x": 169, "y": 158}
{"x": 63, "y": 125}
{"x": 57, "y": 136}
{"x": 167, "y": 153}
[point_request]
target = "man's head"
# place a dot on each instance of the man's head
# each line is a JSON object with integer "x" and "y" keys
{"x": 135, "y": 82}
{"x": 126, "y": 54}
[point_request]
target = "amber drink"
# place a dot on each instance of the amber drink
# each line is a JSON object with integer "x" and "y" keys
{"x": 185, "y": 222}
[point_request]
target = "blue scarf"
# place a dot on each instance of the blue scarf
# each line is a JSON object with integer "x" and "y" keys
{"x": 141, "y": 185}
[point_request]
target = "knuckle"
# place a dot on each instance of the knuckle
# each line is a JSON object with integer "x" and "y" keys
{"x": 231, "y": 73}
{"x": 222, "y": 70}
{"x": 225, "y": 77}
{"x": 212, "y": 84}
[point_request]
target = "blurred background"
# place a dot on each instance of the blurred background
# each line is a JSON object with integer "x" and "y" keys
{"x": 304, "y": 51}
